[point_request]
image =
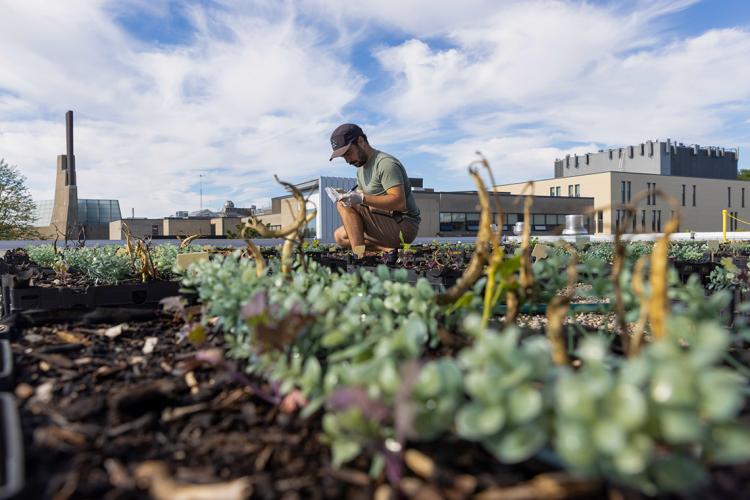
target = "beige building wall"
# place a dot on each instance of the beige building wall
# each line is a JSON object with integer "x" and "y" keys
{"x": 142, "y": 228}
{"x": 187, "y": 227}
{"x": 429, "y": 208}
{"x": 222, "y": 225}
{"x": 596, "y": 186}
{"x": 711, "y": 197}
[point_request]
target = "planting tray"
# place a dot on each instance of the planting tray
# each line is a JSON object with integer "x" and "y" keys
{"x": 35, "y": 298}
{"x": 6, "y": 365}
{"x": 11, "y": 449}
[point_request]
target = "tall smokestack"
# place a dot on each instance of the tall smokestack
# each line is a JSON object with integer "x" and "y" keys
{"x": 70, "y": 158}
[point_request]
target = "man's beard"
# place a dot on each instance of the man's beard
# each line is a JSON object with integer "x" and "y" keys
{"x": 360, "y": 159}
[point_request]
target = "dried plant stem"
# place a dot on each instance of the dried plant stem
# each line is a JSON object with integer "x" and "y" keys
{"x": 639, "y": 291}
{"x": 287, "y": 250}
{"x": 659, "y": 305}
{"x": 142, "y": 252}
{"x": 511, "y": 311}
{"x": 260, "y": 263}
{"x": 557, "y": 310}
{"x": 186, "y": 241}
{"x": 476, "y": 266}
{"x": 526, "y": 279}
{"x": 294, "y": 227}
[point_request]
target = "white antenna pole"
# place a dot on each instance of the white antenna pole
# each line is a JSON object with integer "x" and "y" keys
{"x": 200, "y": 176}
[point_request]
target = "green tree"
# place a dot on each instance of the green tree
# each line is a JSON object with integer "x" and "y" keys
{"x": 744, "y": 174}
{"x": 16, "y": 205}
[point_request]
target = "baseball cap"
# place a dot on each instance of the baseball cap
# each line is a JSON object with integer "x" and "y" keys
{"x": 343, "y": 137}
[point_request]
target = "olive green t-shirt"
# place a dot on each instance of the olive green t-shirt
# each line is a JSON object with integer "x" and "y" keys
{"x": 381, "y": 173}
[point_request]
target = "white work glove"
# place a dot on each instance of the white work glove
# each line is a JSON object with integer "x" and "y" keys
{"x": 352, "y": 198}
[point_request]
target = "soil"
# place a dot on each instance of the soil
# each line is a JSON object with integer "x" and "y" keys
{"x": 95, "y": 407}
{"x": 104, "y": 416}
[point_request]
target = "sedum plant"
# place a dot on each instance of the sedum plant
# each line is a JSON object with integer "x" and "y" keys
{"x": 653, "y": 421}
{"x": 503, "y": 380}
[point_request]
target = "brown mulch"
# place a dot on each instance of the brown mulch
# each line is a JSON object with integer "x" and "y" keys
{"x": 120, "y": 409}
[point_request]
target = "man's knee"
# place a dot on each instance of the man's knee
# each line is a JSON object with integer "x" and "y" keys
{"x": 343, "y": 208}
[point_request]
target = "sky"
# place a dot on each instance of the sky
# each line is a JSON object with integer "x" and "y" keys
{"x": 170, "y": 97}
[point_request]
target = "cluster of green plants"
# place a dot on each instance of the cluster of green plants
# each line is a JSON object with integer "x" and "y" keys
{"x": 360, "y": 347}
{"x": 728, "y": 275}
{"x": 109, "y": 264}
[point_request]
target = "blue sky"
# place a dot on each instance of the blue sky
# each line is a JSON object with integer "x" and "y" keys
{"x": 237, "y": 91}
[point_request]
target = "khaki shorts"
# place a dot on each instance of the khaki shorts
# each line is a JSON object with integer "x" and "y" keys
{"x": 385, "y": 230}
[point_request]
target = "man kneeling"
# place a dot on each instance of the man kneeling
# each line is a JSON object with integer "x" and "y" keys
{"x": 382, "y": 212}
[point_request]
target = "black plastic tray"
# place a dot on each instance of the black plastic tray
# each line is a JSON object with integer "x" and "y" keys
{"x": 11, "y": 448}
{"x": 128, "y": 294}
{"x": 6, "y": 365}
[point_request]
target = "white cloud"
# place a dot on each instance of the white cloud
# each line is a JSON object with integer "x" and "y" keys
{"x": 533, "y": 77}
{"x": 250, "y": 95}
{"x": 259, "y": 85}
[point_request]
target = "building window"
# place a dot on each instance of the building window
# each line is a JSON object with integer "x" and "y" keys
{"x": 683, "y": 195}
{"x": 617, "y": 220}
{"x": 600, "y": 221}
{"x": 578, "y": 190}
{"x": 567, "y": 161}
{"x": 557, "y": 191}
{"x": 729, "y": 196}
{"x": 459, "y": 221}
{"x": 648, "y": 193}
{"x": 570, "y": 190}
{"x": 693, "y": 194}
{"x": 622, "y": 191}
{"x": 472, "y": 221}
{"x": 653, "y": 193}
{"x": 610, "y": 154}
{"x": 653, "y": 221}
{"x": 743, "y": 198}
{"x": 643, "y": 149}
{"x": 630, "y": 155}
{"x": 575, "y": 161}
{"x": 552, "y": 191}
{"x": 154, "y": 229}
{"x": 629, "y": 190}
{"x": 619, "y": 153}
{"x": 643, "y": 221}
{"x": 658, "y": 221}
{"x": 632, "y": 217}
{"x": 587, "y": 158}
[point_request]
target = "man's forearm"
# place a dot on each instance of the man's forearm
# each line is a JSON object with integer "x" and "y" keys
{"x": 385, "y": 202}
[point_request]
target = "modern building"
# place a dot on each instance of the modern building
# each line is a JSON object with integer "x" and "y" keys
{"x": 67, "y": 215}
{"x": 452, "y": 213}
{"x": 700, "y": 181}
{"x": 93, "y": 215}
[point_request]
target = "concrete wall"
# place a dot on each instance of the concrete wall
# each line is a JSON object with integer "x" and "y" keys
{"x": 221, "y": 225}
{"x": 65, "y": 208}
{"x": 187, "y": 227}
{"x": 429, "y": 206}
{"x": 606, "y": 189}
{"x": 654, "y": 157}
{"x": 96, "y": 231}
{"x": 142, "y": 228}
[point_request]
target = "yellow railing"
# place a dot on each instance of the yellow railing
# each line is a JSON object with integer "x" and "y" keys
{"x": 724, "y": 215}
